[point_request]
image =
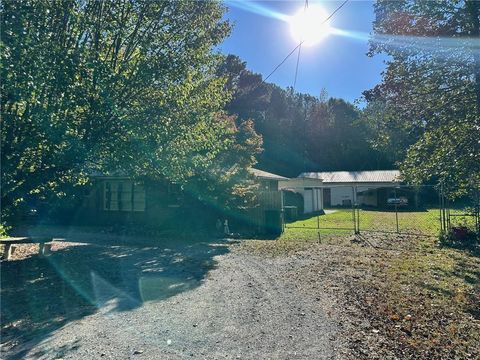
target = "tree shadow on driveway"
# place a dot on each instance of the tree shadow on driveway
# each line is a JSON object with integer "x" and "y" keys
{"x": 40, "y": 295}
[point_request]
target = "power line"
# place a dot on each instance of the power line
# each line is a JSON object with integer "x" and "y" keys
{"x": 286, "y": 57}
{"x": 296, "y": 67}
{"x": 301, "y": 42}
{"x": 299, "y": 51}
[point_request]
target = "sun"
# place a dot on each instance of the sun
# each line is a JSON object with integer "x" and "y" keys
{"x": 308, "y": 25}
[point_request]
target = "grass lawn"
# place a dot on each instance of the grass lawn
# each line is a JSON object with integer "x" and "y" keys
{"x": 341, "y": 222}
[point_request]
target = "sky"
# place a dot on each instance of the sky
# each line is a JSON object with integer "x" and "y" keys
{"x": 338, "y": 63}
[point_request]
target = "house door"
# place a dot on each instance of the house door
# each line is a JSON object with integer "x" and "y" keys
{"x": 308, "y": 201}
{"x": 327, "y": 198}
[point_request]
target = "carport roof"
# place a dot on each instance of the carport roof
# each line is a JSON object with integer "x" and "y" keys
{"x": 376, "y": 176}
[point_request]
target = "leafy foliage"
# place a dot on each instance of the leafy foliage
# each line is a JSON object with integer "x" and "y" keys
{"x": 227, "y": 181}
{"x": 109, "y": 86}
{"x": 300, "y": 132}
{"x": 427, "y": 108}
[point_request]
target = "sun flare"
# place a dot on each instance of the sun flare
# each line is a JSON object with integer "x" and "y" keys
{"x": 308, "y": 25}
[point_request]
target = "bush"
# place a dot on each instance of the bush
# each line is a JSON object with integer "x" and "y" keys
{"x": 459, "y": 236}
{"x": 3, "y": 231}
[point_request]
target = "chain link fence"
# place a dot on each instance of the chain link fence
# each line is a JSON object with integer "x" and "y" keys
{"x": 461, "y": 217}
{"x": 403, "y": 209}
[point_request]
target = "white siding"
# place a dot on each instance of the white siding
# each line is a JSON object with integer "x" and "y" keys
{"x": 312, "y": 200}
{"x": 308, "y": 201}
{"x": 340, "y": 196}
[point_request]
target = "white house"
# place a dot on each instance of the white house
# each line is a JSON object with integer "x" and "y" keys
{"x": 309, "y": 188}
{"x": 366, "y": 188}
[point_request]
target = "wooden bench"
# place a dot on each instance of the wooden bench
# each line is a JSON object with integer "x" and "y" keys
{"x": 43, "y": 242}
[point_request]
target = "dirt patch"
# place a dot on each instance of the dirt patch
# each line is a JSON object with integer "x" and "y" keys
{"x": 369, "y": 297}
{"x": 41, "y": 296}
{"x": 393, "y": 296}
{"x": 244, "y": 307}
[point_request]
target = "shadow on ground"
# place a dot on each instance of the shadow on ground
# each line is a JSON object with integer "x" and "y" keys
{"x": 40, "y": 295}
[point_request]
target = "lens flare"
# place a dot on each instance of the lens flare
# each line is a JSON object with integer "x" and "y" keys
{"x": 438, "y": 46}
{"x": 308, "y": 25}
{"x": 255, "y": 8}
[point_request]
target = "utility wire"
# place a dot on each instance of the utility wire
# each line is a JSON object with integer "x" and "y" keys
{"x": 299, "y": 51}
{"x": 286, "y": 57}
{"x": 300, "y": 44}
{"x": 296, "y": 67}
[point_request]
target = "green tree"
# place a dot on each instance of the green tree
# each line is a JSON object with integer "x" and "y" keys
{"x": 108, "y": 85}
{"x": 428, "y": 104}
{"x": 226, "y": 182}
{"x": 339, "y": 138}
{"x": 300, "y": 132}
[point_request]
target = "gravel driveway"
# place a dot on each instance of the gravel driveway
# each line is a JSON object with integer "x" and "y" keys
{"x": 243, "y": 308}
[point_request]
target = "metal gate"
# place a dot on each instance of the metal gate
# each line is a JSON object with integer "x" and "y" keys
{"x": 421, "y": 210}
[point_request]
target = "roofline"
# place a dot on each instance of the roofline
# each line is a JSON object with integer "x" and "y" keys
{"x": 362, "y": 182}
{"x": 316, "y": 175}
{"x": 271, "y": 176}
{"x": 347, "y": 171}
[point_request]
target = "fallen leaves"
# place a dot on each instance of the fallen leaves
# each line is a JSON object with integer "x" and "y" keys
{"x": 407, "y": 299}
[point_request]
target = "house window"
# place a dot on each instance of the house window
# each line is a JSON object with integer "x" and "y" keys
{"x": 123, "y": 195}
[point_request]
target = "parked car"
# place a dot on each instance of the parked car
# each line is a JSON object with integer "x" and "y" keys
{"x": 400, "y": 201}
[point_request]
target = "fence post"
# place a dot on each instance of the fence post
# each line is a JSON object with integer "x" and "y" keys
{"x": 353, "y": 209}
{"x": 396, "y": 208}
{"x": 477, "y": 218}
{"x": 316, "y": 204}
{"x": 358, "y": 219}
{"x": 282, "y": 213}
{"x": 440, "y": 208}
{"x": 448, "y": 215}
{"x": 477, "y": 211}
{"x": 444, "y": 217}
